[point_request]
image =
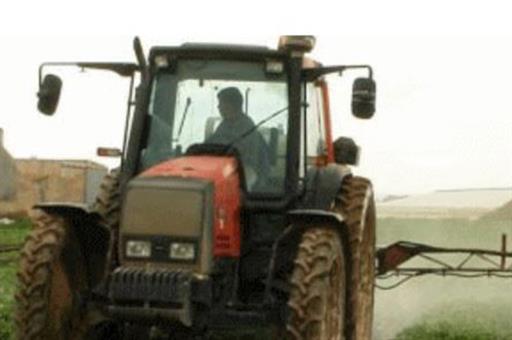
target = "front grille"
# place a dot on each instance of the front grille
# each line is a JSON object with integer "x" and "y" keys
{"x": 169, "y": 209}
{"x": 169, "y": 206}
{"x": 153, "y": 286}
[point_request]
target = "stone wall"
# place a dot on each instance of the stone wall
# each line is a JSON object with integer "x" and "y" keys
{"x": 8, "y": 173}
{"x": 42, "y": 180}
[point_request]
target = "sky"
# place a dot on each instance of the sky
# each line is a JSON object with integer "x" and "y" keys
{"x": 443, "y": 73}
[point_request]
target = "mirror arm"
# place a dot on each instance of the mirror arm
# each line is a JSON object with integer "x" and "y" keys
{"x": 122, "y": 69}
{"x": 368, "y": 67}
{"x": 315, "y": 73}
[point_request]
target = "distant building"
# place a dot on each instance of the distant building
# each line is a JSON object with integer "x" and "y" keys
{"x": 60, "y": 180}
{"x": 8, "y": 174}
{"x": 25, "y": 182}
{"x": 461, "y": 203}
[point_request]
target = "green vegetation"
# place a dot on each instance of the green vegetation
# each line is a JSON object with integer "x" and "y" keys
{"x": 15, "y": 232}
{"x": 10, "y": 234}
{"x": 462, "y": 321}
{"x": 7, "y": 279}
{"x": 445, "y": 330}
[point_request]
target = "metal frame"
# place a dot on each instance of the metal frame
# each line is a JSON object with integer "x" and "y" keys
{"x": 391, "y": 258}
{"x": 122, "y": 69}
{"x": 315, "y": 73}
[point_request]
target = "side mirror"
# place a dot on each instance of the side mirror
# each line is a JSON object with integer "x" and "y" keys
{"x": 363, "y": 98}
{"x": 49, "y": 94}
{"x": 346, "y": 151}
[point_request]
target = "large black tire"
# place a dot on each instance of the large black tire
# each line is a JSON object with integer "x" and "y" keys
{"x": 51, "y": 277}
{"x": 108, "y": 206}
{"x": 108, "y": 200}
{"x": 355, "y": 202}
{"x": 318, "y": 288}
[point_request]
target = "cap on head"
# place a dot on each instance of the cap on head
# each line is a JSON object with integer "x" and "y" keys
{"x": 231, "y": 95}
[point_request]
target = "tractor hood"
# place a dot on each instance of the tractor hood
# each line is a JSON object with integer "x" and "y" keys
{"x": 182, "y": 213}
{"x": 213, "y": 168}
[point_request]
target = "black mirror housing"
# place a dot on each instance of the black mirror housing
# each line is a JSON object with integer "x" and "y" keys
{"x": 363, "y": 98}
{"x": 49, "y": 94}
{"x": 346, "y": 151}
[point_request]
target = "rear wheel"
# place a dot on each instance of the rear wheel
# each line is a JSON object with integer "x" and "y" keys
{"x": 51, "y": 277}
{"x": 318, "y": 288}
{"x": 356, "y": 203}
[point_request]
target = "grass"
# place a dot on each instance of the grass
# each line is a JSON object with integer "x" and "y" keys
{"x": 462, "y": 321}
{"x": 15, "y": 232}
{"x": 446, "y": 330}
{"x": 7, "y": 279}
{"x": 9, "y": 234}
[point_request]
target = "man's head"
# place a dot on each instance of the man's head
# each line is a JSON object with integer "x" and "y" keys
{"x": 230, "y": 102}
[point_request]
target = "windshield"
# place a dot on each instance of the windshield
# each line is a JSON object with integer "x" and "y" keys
{"x": 222, "y": 102}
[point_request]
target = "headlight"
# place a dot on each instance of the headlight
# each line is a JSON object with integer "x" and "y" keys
{"x": 139, "y": 249}
{"x": 182, "y": 251}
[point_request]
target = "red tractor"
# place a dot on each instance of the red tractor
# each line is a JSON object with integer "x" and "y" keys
{"x": 233, "y": 212}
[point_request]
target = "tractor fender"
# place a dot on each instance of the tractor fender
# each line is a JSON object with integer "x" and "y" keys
{"x": 286, "y": 246}
{"x": 303, "y": 219}
{"x": 322, "y": 186}
{"x": 92, "y": 234}
{"x": 65, "y": 209}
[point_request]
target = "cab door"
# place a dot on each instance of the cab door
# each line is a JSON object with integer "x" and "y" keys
{"x": 315, "y": 139}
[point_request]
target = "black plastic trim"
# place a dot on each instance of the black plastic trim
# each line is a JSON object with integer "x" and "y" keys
{"x": 293, "y": 154}
{"x": 322, "y": 186}
{"x": 218, "y": 51}
{"x": 314, "y": 216}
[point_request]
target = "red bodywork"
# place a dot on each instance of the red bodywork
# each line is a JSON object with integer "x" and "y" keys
{"x": 222, "y": 171}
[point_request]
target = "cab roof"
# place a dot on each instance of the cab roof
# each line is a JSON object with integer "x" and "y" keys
{"x": 224, "y": 51}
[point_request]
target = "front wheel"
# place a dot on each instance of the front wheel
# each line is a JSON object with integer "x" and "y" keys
{"x": 51, "y": 277}
{"x": 318, "y": 288}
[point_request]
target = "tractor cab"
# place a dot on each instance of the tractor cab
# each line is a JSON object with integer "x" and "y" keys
{"x": 239, "y": 105}
{"x": 283, "y": 126}
{"x": 280, "y": 123}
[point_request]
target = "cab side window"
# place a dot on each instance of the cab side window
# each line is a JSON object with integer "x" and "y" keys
{"x": 313, "y": 145}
